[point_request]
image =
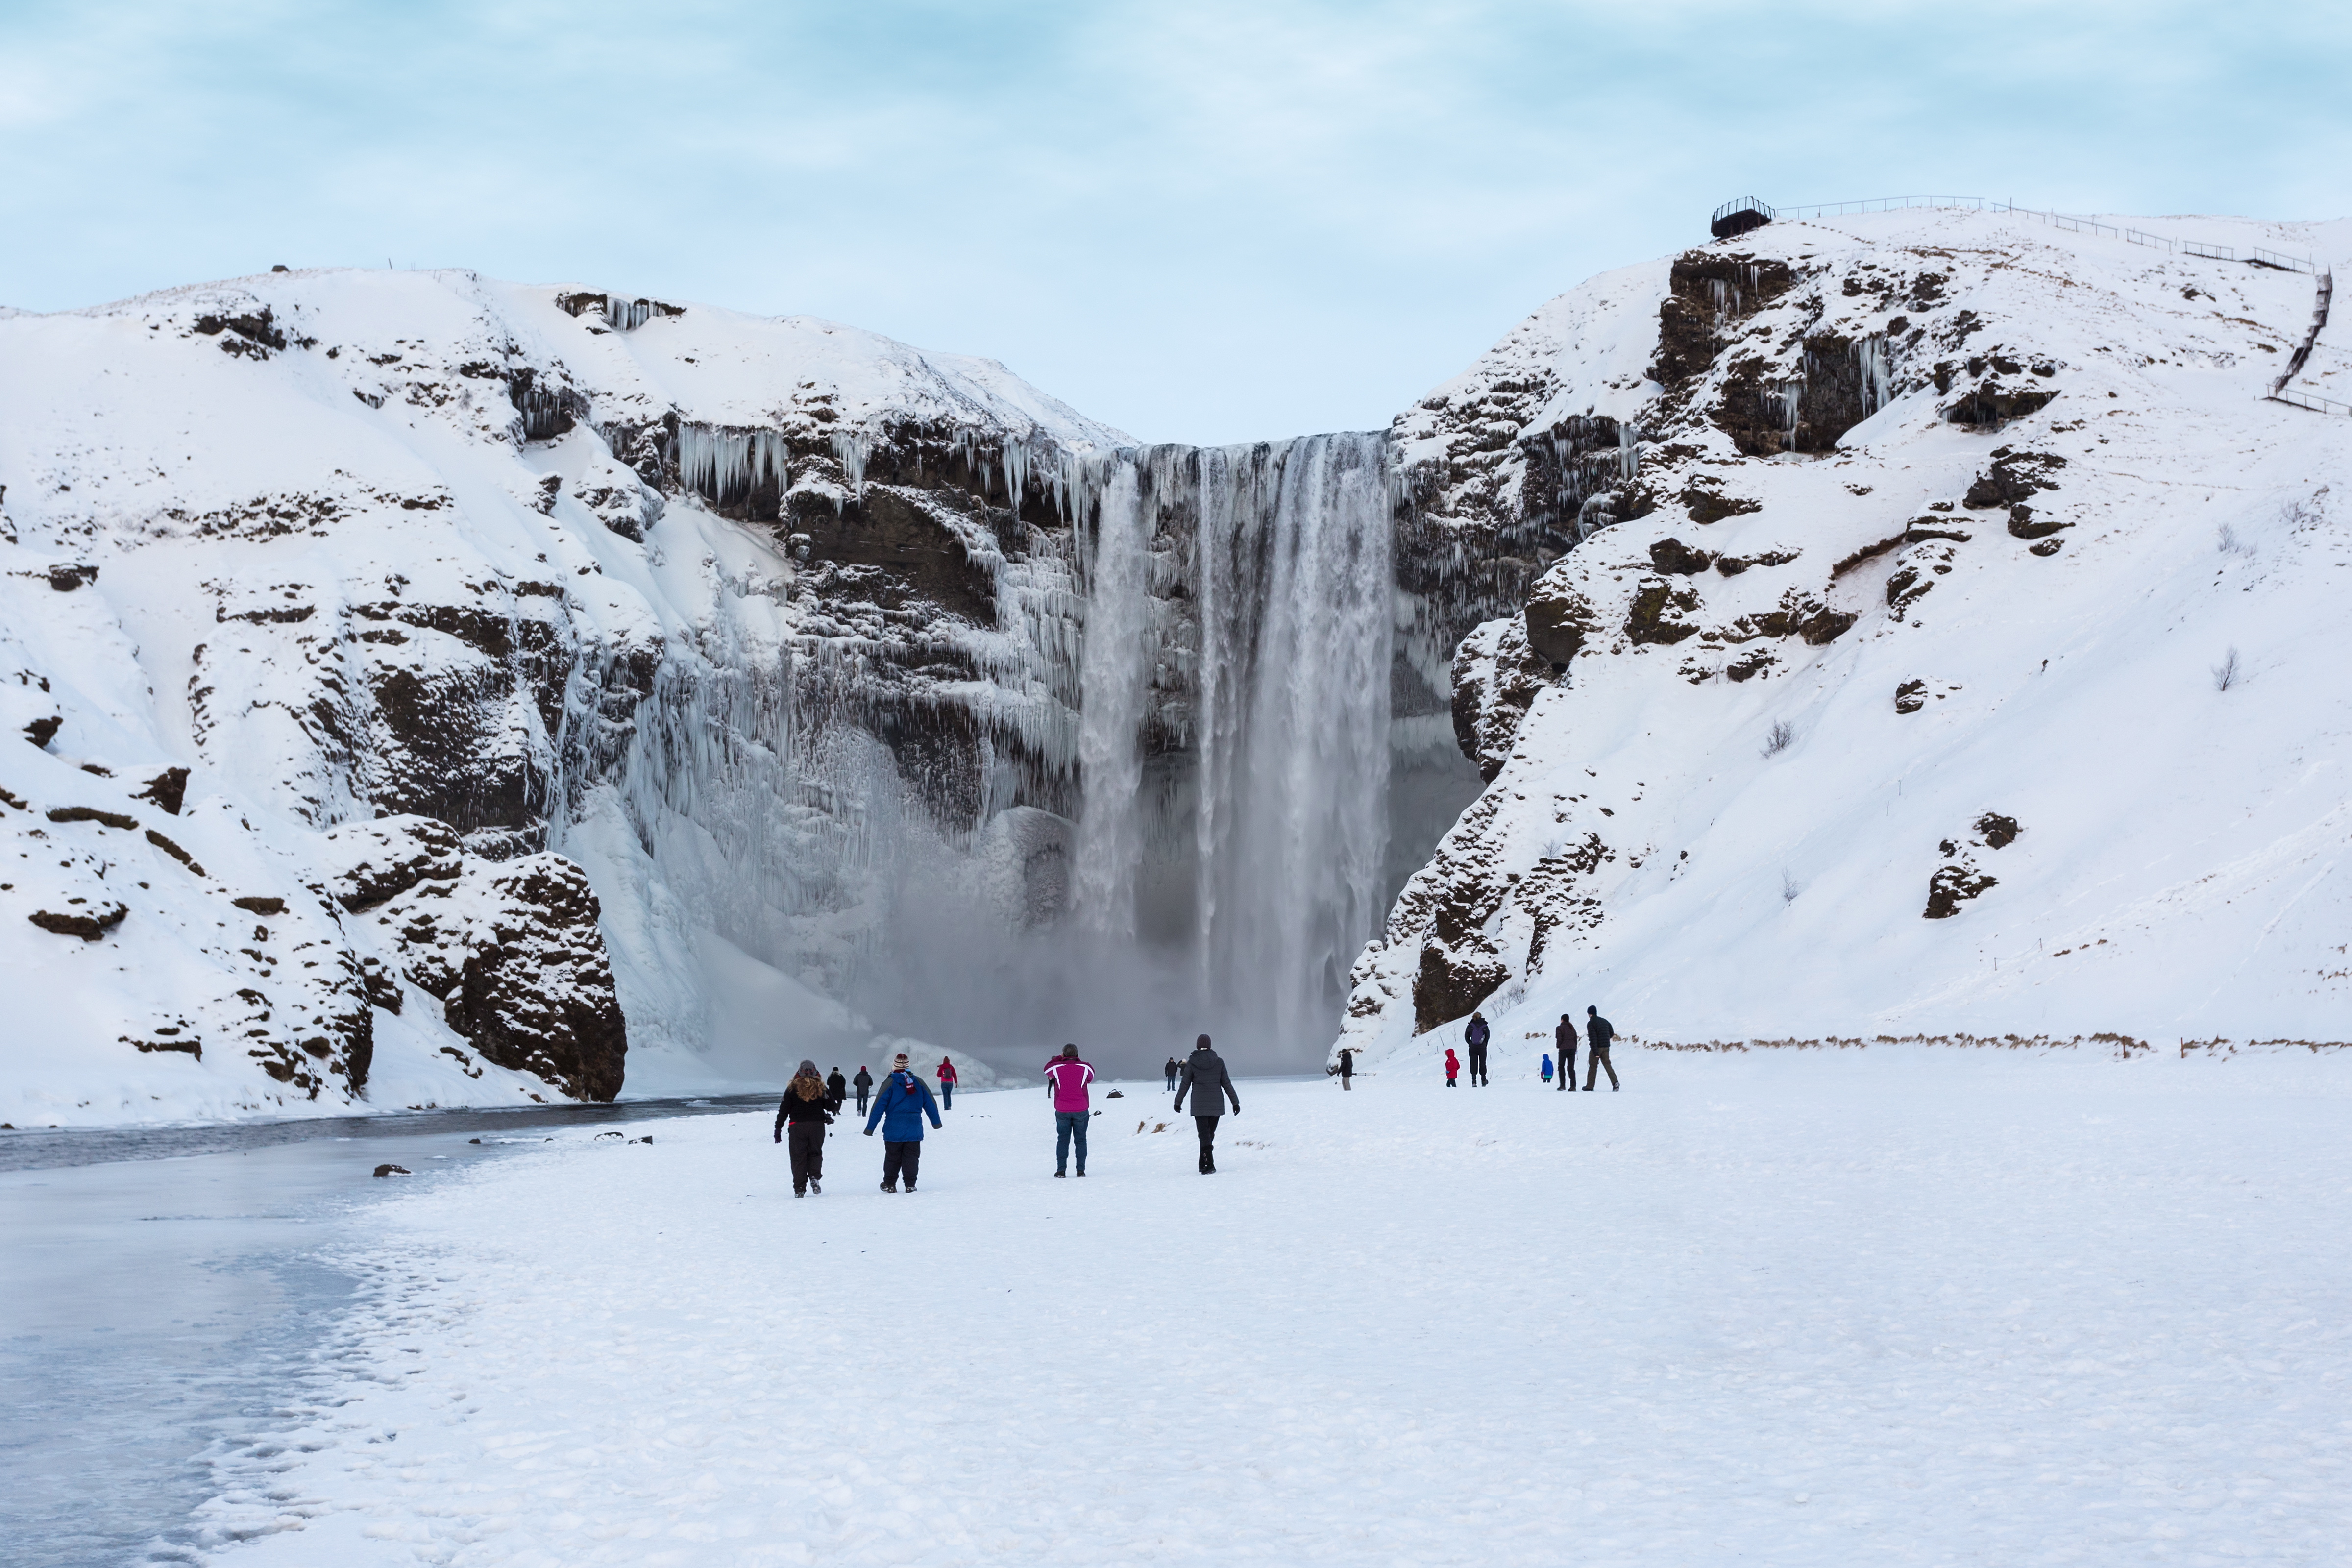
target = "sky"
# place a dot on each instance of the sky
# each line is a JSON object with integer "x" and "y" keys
{"x": 1203, "y": 222}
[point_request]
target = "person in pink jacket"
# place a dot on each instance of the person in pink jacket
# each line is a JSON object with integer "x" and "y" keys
{"x": 1067, "y": 1079}
{"x": 947, "y": 1076}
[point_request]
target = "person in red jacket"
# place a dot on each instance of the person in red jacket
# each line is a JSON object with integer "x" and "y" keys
{"x": 947, "y": 1076}
{"x": 1067, "y": 1079}
{"x": 1452, "y": 1066}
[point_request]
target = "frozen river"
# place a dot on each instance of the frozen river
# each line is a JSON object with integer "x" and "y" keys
{"x": 161, "y": 1288}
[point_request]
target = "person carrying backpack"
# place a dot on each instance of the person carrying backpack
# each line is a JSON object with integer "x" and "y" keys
{"x": 839, "y": 1087}
{"x": 900, "y": 1110}
{"x": 1065, "y": 1083}
{"x": 947, "y": 1076}
{"x": 809, "y": 1106}
{"x": 1565, "y": 1038}
{"x": 865, "y": 1082}
{"x": 1452, "y": 1066}
{"x": 1347, "y": 1068}
{"x": 1475, "y": 1036}
{"x": 1598, "y": 1033}
{"x": 1207, "y": 1081}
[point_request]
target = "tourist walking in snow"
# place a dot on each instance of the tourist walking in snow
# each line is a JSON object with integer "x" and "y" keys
{"x": 1475, "y": 1036}
{"x": 1598, "y": 1033}
{"x": 1204, "y": 1077}
{"x": 947, "y": 1076}
{"x": 865, "y": 1082}
{"x": 809, "y": 1106}
{"x": 839, "y": 1087}
{"x": 900, "y": 1110}
{"x": 1564, "y": 1038}
{"x": 1065, "y": 1084}
{"x": 1547, "y": 1067}
{"x": 1173, "y": 1069}
{"x": 1347, "y": 1068}
{"x": 1452, "y": 1066}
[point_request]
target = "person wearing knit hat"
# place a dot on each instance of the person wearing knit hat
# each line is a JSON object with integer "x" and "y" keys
{"x": 899, "y": 1111}
{"x": 809, "y": 1104}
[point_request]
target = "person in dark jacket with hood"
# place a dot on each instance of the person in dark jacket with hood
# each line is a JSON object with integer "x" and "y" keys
{"x": 900, "y": 1110}
{"x": 1204, "y": 1077}
{"x": 865, "y": 1082}
{"x": 1598, "y": 1033}
{"x": 1475, "y": 1036}
{"x": 808, "y": 1105}
{"x": 839, "y": 1087}
{"x": 1172, "y": 1069}
{"x": 1565, "y": 1038}
{"x": 1347, "y": 1068}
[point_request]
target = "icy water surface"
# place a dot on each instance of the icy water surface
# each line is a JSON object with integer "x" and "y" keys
{"x": 160, "y": 1288}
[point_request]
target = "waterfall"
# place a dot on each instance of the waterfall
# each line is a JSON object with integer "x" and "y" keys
{"x": 1113, "y": 672}
{"x": 1290, "y": 826}
{"x": 1253, "y": 671}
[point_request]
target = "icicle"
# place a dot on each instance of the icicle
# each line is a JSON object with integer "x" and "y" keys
{"x": 724, "y": 466}
{"x": 852, "y": 447}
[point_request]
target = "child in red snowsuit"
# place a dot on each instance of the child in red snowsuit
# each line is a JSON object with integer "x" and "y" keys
{"x": 1452, "y": 1066}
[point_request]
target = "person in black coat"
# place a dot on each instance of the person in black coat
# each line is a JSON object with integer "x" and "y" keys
{"x": 1207, "y": 1081}
{"x": 1564, "y": 1039}
{"x": 808, "y": 1105}
{"x": 1598, "y": 1033}
{"x": 1347, "y": 1068}
{"x": 839, "y": 1087}
{"x": 1173, "y": 1069}
{"x": 1476, "y": 1036}
{"x": 865, "y": 1082}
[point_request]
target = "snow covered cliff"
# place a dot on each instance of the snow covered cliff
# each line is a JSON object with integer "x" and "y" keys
{"x": 410, "y": 665}
{"x": 1962, "y": 653}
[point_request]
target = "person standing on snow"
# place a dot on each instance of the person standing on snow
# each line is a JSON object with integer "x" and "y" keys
{"x": 1598, "y": 1033}
{"x": 839, "y": 1087}
{"x": 1565, "y": 1038}
{"x": 1452, "y": 1066}
{"x": 903, "y": 1104}
{"x": 865, "y": 1082}
{"x": 1210, "y": 1085}
{"x": 1065, "y": 1084}
{"x": 1173, "y": 1069}
{"x": 1347, "y": 1068}
{"x": 808, "y": 1105}
{"x": 1475, "y": 1036}
{"x": 947, "y": 1076}
{"x": 1547, "y": 1067}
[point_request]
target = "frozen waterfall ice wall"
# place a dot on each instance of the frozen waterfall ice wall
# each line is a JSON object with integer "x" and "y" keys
{"x": 1234, "y": 734}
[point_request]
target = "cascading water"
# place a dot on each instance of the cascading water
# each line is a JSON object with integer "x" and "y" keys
{"x": 1115, "y": 671}
{"x": 1290, "y": 824}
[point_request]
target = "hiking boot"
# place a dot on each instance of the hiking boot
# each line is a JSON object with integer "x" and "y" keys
{"x": 814, "y": 1187}
{"x": 910, "y": 1186}
{"x": 887, "y": 1187}
{"x": 1060, "y": 1174}
{"x": 1082, "y": 1175}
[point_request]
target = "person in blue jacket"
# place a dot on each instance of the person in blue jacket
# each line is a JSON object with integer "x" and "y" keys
{"x": 900, "y": 1110}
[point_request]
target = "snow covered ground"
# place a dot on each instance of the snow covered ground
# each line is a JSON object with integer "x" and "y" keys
{"x": 1893, "y": 1305}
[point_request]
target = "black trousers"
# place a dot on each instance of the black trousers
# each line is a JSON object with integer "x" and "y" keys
{"x": 901, "y": 1159}
{"x": 1208, "y": 1126}
{"x": 1567, "y": 1066}
{"x": 1596, "y": 1061}
{"x": 806, "y": 1140}
{"x": 1478, "y": 1064}
{"x": 861, "y": 1101}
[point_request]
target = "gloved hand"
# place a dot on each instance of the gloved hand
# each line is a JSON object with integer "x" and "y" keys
{"x": 869, "y": 1133}
{"x": 780, "y": 1134}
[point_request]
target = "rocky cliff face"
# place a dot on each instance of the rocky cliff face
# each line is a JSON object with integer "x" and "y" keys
{"x": 1928, "y": 520}
{"x": 586, "y": 681}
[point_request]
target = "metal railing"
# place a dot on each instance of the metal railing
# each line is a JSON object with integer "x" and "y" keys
{"x": 2306, "y": 400}
{"x": 1888, "y": 204}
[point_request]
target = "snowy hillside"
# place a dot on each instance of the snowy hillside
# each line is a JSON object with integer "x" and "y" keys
{"x": 1964, "y": 654}
{"x": 289, "y": 555}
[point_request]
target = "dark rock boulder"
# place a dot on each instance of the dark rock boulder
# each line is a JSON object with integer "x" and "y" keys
{"x": 535, "y": 992}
